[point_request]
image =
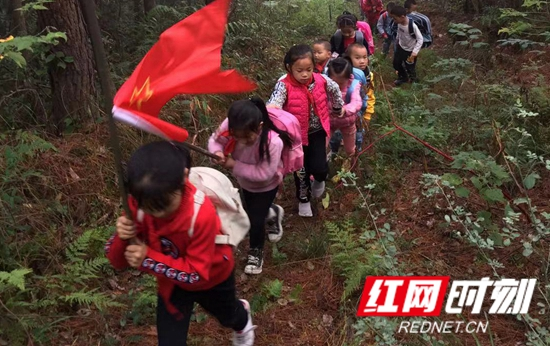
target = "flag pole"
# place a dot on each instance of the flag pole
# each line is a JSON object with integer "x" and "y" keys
{"x": 199, "y": 150}
{"x": 108, "y": 90}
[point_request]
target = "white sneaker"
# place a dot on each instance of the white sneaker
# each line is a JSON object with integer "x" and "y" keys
{"x": 271, "y": 215}
{"x": 255, "y": 262}
{"x": 317, "y": 188}
{"x": 304, "y": 209}
{"x": 274, "y": 225}
{"x": 246, "y": 336}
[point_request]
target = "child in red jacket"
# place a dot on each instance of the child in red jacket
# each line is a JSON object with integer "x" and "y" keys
{"x": 372, "y": 10}
{"x": 189, "y": 266}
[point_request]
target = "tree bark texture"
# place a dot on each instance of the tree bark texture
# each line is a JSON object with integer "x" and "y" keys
{"x": 18, "y": 26}
{"x": 148, "y": 5}
{"x": 139, "y": 8}
{"x": 72, "y": 87}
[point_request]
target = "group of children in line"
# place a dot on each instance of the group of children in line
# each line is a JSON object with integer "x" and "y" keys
{"x": 329, "y": 89}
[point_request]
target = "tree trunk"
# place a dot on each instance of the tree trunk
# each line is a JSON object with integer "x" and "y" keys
{"x": 148, "y": 5}
{"x": 73, "y": 86}
{"x": 138, "y": 8}
{"x": 473, "y": 6}
{"x": 18, "y": 25}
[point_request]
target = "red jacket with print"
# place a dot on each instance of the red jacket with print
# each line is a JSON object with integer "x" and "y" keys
{"x": 194, "y": 263}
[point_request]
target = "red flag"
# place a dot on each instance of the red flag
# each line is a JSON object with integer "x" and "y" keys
{"x": 185, "y": 60}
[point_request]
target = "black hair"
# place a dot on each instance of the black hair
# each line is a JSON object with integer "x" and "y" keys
{"x": 398, "y": 11}
{"x": 296, "y": 53}
{"x": 325, "y": 43}
{"x": 352, "y": 16}
{"x": 354, "y": 45}
{"x": 246, "y": 115}
{"x": 409, "y": 3}
{"x": 390, "y": 5}
{"x": 345, "y": 20}
{"x": 156, "y": 173}
{"x": 340, "y": 67}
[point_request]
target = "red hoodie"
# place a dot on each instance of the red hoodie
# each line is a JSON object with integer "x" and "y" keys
{"x": 194, "y": 263}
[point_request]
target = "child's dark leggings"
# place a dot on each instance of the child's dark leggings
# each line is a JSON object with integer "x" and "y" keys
{"x": 386, "y": 46}
{"x": 400, "y": 64}
{"x": 220, "y": 301}
{"x": 257, "y": 206}
{"x": 315, "y": 163}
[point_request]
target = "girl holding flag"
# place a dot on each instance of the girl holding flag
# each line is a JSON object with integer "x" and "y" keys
{"x": 166, "y": 239}
{"x": 189, "y": 266}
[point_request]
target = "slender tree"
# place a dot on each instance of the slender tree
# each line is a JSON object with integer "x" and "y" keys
{"x": 18, "y": 26}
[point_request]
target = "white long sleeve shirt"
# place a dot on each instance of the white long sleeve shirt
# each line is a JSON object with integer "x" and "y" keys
{"x": 406, "y": 41}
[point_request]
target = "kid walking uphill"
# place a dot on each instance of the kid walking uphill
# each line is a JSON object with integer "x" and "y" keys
{"x": 385, "y": 28}
{"x": 408, "y": 46}
{"x": 340, "y": 70}
{"x": 187, "y": 263}
{"x": 305, "y": 94}
{"x": 255, "y": 144}
{"x": 348, "y": 33}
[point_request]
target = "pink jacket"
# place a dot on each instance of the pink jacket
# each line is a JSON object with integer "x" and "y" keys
{"x": 251, "y": 174}
{"x": 298, "y": 105}
{"x": 367, "y": 32}
{"x": 351, "y": 108}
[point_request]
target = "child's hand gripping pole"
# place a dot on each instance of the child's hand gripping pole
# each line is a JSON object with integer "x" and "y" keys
{"x": 126, "y": 230}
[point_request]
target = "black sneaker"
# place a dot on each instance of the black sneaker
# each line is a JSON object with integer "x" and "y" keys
{"x": 274, "y": 226}
{"x": 255, "y": 261}
{"x": 399, "y": 82}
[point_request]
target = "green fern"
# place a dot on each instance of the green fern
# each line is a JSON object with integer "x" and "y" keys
{"x": 85, "y": 263}
{"x": 15, "y": 278}
{"x": 351, "y": 257}
{"x": 86, "y": 297}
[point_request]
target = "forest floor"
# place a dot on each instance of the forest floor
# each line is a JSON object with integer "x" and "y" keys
{"x": 307, "y": 309}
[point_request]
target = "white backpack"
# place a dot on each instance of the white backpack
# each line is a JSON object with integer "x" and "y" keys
{"x": 219, "y": 189}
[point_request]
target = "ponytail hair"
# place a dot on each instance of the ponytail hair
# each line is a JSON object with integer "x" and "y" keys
{"x": 345, "y": 20}
{"x": 340, "y": 67}
{"x": 247, "y": 114}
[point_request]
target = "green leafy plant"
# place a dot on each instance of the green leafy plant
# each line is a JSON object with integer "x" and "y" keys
{"x": 466, "y": 35}
{"x": 456, "y": 70}
{"x": 13, "y": 49}
{"x": 37, "y": 5}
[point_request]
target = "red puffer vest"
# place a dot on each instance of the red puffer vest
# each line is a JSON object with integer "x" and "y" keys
{"x": 298, "y": 105}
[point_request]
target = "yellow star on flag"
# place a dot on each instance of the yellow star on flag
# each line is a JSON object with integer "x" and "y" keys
{"x": 142, "y": 95}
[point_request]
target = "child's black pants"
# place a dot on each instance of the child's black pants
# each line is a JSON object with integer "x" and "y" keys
{"x": 404, "y": 69}
{"x": 220, "y": 301}
{"x": 315, "y": 164}
{"x": 257, "y": 206}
